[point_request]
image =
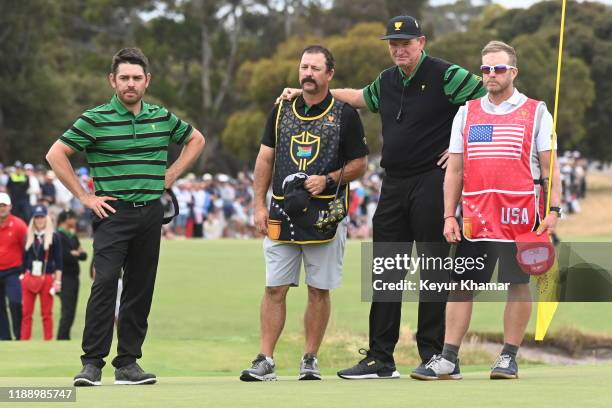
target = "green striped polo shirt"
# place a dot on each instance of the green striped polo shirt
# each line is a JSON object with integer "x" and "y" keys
{"x": 127, "y": 154}
{"x": 460, "y": 85}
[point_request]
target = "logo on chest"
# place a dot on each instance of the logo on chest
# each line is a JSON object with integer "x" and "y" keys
{"x": 304, "y": 149}
{"x": 331, "y": 121}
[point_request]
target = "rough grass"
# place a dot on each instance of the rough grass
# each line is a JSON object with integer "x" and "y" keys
{"x": 592, "y": 221}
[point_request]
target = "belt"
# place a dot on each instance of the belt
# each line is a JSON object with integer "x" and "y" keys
{"x": 131, "y": 204}
{"x": 138, "y": 204}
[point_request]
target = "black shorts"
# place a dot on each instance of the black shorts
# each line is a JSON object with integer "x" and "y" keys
{"x": 485, "y": 255}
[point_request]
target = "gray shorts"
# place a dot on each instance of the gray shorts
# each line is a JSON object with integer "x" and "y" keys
{"x": 322, "y": 262}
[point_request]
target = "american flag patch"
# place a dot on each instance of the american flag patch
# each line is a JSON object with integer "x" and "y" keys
{"x": 495, "y": 141}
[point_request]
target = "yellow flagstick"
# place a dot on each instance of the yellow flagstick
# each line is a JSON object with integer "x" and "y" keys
{"x": 546, "y": 309}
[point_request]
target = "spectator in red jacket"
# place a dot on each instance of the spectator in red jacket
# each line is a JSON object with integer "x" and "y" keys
{"x": 12, "y": 239}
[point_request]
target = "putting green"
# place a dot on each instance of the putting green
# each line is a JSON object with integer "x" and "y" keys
{"x": 539, "y": 387}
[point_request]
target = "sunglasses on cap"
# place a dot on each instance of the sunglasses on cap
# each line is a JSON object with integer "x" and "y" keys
{"x": 498, "y": 69}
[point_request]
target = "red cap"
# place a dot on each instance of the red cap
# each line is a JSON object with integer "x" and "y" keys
{"x": 535, "y": 253}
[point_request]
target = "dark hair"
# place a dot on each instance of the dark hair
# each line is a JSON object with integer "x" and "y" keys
{"x": 64, "y": 215}
{"x": 130, "y": 56}
{"x": 319, "y": 49}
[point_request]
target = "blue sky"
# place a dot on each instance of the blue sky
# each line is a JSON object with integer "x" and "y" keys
{"x": 507, "y": 3}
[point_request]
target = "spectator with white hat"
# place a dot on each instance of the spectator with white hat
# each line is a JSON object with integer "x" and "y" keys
{"x": 12, "y": 239}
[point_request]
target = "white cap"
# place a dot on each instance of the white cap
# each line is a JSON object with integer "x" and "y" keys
{"x": 207, "y": 177}
{"x": 5, "y": 199}
{"x": 223, "y": 178}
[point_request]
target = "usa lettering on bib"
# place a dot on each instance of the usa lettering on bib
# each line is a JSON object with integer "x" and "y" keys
{"x": 499, "y": 195}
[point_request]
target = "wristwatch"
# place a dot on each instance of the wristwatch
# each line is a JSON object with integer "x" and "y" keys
{"x": 329, "y": 181}
{"x": 555, "y": 209}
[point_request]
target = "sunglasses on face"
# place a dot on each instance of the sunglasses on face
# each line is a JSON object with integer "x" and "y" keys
{"x": 498, "y": 69}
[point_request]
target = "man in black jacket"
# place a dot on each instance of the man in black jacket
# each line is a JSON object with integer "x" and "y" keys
{"x": 72, "y": 253}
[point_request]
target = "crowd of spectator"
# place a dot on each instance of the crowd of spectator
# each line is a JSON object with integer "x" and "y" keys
{"x": 30, "y": 185}
{"x": 221, "y": 206}
{"x": 573, "y": 180}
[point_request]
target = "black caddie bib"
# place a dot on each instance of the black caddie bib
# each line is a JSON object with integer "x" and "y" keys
{"x": 309, "y": 145}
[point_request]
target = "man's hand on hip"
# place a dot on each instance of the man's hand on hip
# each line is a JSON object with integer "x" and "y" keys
{"x": 443, "y": 161}
{"x": 169, "y": 179}
{"x": 98, "y": 204}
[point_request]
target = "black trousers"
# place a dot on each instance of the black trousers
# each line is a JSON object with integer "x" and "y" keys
{"x": 10, "y": 287}
{"x": 128, "y": 239}
{"x": 410, "y": 209}
{"x": 69, "y": 296}
{"x": 5, "y": 331}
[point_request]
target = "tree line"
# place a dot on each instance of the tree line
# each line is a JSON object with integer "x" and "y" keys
{"x": 221, "y": 63}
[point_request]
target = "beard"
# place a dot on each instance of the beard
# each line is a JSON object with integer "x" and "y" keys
{"x": 497, "y": 87}
{"x": 131, "y": 99}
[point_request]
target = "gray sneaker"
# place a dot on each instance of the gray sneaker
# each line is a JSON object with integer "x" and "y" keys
{"x": 261, "y": 370}
{"x": 437, "y": 368}
{"x": 309, "y": 369}
{"x": 88, "y": 376}
{"x": 132, "y": 374}
{"x": 504, "y": 368}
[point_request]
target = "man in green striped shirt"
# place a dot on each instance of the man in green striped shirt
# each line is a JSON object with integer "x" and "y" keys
{"x": 126, "y": 143}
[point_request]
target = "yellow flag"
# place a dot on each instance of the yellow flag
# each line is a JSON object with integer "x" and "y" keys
{"x": 548, "y": 286}
{"x": 546, "y": 312}
{"x": 547, "y": 306}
